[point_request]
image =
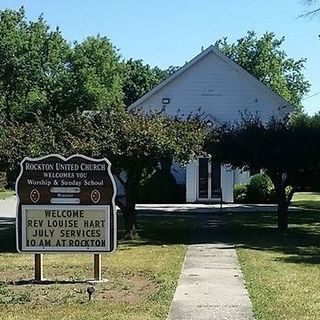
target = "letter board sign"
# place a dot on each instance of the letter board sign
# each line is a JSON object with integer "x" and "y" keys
{"x": 66, "y": 205}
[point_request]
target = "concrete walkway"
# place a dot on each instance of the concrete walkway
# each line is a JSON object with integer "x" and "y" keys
{"x": 8, "y": 208}
{"x": 211, "y": 285}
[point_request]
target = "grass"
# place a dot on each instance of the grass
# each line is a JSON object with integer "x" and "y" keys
{"x": 282, "y": 272}
{"x": 142, "y": 277}
{"x": 309, "y": 200}
{"x": 6, "y": 194}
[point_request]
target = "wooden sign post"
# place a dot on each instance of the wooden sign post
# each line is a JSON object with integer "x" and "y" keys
{"x": 66, "y": 205}
{"x": 38, "y": 267}
{"x": 97, "y": 267}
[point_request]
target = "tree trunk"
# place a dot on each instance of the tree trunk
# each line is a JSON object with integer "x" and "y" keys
{"x": 130, "y": 223}
{"x": 131, "y": 188}
{"x": 279, "y": 182}
{"x": 282, "y": 211}
{"x": 282, "y": 202}
{"x": 129, "y": 214}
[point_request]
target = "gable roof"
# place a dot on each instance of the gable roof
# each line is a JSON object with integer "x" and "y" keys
{"x": 213, "y": 50}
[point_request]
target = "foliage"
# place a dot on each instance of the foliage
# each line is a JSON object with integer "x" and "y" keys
{"x": 161, "y": 187}
{"x": 288, "y": 152}
{"x": 260, "y": 189}
{"x": 133, "y": 143}
{"x": 95, "y": 73}
{"x": 3, "y": 180}
{"x": 32, "y": 66}
{"x": 138, "y": 79}
{"x": 265, "y": 60}
{"x": 131, "y": 140}
{"x": 27, "y": 139}
{"x": 240, "y": 191}
{"x": 42, "y": 74}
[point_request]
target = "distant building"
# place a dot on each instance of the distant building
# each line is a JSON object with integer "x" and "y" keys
{"x": 221, "y": 90}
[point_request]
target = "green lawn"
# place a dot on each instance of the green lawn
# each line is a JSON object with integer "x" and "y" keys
{"x": 6, "y": 193}
{"x": 310, "y": 200}
{"x": 142, "y": 277}
{"x": 282, "y": 272}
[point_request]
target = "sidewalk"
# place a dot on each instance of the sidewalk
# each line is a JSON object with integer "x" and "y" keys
{"x": 211, "y": 285}
{"x": 8, "y": 208}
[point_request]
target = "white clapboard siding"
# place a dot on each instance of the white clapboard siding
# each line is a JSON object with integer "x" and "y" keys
{"x": 215, "y": 85}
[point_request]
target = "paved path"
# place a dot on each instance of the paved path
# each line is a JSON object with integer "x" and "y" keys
{"x": 8, "y": 208}
{"x": 205, "y": 208}
{"x": 211, "y": 285}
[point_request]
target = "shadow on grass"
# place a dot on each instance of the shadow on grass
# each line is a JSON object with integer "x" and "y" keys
{"x": 196, "y": 228}
{"x": 258, "y": 231}
{"x": 254, "y": 230}
{"x": 160, "y": 230}
{"x": 153, "y": 230}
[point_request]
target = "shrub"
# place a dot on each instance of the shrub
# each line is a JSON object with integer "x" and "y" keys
{"x": 161, "y": 187}
{"x": 240, "y": 192}
{"x": 260, "y": 189}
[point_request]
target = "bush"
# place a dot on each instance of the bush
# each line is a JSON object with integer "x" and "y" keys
{"x": 259, "y": 190}
{"x": 240, "y": 192}
{"x": 161, "y": 187}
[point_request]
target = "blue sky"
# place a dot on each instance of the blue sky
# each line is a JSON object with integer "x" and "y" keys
{"x": 171, "y": 32}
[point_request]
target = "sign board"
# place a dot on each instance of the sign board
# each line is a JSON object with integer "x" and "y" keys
{"x": 66, "y": 205}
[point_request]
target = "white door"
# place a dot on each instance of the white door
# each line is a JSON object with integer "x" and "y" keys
{"x": 209, "y": 180}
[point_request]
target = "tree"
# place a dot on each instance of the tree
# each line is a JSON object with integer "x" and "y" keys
{"x": 138, "y": 79}
{"x": 95, "y": 73}
{"x": 265, "y": 60}
{"x": 313, "y": 10}
{"x": 41, "y": 73}
{"x": 42, "y": 136}
{"x": 133, "y": 143}
{"x": 288, "y": 152}
{"x": 32, "y": 66}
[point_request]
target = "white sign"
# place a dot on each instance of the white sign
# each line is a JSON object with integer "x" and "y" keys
{"x": 65, "y": 228}
{"x": 66, "y": 204}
